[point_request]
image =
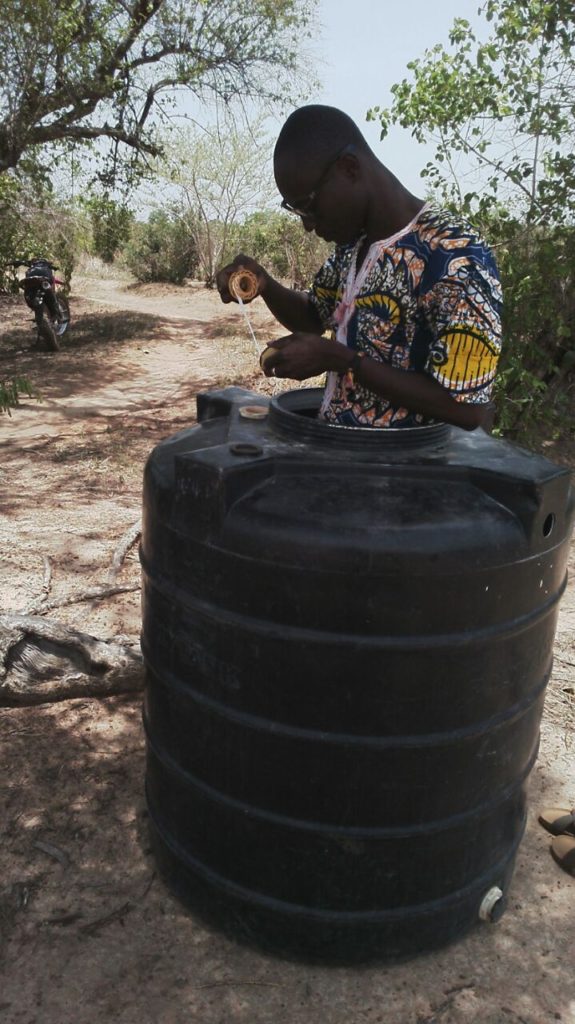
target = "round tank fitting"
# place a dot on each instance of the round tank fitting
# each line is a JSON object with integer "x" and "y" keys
{"x": 245, "y": 448}
{"x": 492, "y": 905}
{"x": 243, "y": 284}
{"x": 253, "y": 412}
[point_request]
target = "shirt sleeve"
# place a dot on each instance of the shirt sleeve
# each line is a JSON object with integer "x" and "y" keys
{"x": 462, "y": 311}
{"x": 325, "y": 291}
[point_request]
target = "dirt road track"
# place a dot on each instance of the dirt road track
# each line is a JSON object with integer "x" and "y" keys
{"x": 88, "y": 934}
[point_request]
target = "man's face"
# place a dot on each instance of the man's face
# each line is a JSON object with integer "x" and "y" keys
{"x": 328, "y": 195}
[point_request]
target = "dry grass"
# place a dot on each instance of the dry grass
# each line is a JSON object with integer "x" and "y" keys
{"x": 93, "y": 267}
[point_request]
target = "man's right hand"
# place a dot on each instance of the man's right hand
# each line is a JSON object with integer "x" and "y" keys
{"x": 241, "y": 262}
{"x": 293, "y": 309}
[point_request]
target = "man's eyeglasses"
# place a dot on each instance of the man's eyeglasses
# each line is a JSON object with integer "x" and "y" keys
{"x": 305, "y": 206}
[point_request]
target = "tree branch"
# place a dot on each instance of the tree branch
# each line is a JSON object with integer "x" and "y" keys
{"x": 52, "y": 133}
{"x": 496, "y": 164}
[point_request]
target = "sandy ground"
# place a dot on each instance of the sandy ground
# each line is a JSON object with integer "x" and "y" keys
{"x": 89, "y": 934}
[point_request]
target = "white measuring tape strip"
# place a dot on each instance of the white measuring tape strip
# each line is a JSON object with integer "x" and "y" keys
{"x": 250, "y": 328}
{"x": 243, "y": 284}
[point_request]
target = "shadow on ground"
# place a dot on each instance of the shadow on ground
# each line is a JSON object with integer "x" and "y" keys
{"x": 85, "y": 917}
{"x": 106, "y": 328}
{"x": 84, "y": 920}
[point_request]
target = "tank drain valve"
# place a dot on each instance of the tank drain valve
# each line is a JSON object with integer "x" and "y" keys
{"x": 492, "y": 905}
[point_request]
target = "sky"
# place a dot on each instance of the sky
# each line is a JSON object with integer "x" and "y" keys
{"x": 359, "y": 49}
{"x": 363, "y": 48}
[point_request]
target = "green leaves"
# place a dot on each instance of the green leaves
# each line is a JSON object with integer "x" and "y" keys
{"x": 98, "y": 69}
{"x": 537, "y": 268}
{"x": 12, "y": 390}
{"x": 277, "y": 240}
{"x": 506, "y": 104}
{"x": 111, "y": 225}
{"x": 162, "y": 249}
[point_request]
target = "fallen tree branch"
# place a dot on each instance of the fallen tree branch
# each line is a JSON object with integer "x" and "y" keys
{"x": 94, "y": 594}
{"x": 126, "y": 541}
{"x": 44, "y": 661}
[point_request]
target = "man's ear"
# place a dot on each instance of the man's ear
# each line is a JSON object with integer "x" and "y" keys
{"x": 349, "y": 166}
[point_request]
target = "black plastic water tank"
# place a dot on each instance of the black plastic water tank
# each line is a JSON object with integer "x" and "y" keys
{"x": 347, "y": 634}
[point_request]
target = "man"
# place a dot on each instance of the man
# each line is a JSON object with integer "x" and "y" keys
{"x": 412, "y": 297}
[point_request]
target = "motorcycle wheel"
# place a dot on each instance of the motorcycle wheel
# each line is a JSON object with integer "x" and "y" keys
{"x": 64, "y": 315}
{"x": 47, "y": 338}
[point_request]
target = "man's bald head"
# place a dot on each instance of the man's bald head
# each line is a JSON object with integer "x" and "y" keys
{"x": 316, "y": 133}
{"x": 329, "y": 176}
{"x": 326, "y": 172}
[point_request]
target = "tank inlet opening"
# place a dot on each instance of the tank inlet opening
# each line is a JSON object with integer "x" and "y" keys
{"x": 246, "y": 449}
{"x": 492, "y": 905}
{"x": 548, "y": 525}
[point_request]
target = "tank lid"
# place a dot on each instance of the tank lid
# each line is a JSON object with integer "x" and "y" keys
{"x": 294, "y": 414}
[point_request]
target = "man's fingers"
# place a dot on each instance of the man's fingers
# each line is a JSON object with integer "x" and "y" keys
{"x": 272, "y": 365}
{"x": 271, "y": 362}
{"x": 223, "y": 278}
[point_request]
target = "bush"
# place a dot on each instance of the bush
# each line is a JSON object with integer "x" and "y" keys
{"x": 111, "y": 226}
{"x": 279, "y": 242}
{"x": 11, "y": 392}
{"x": 537, "y": 267}
{"x": 161, "y": 249}
{"x": 33, "y": 223}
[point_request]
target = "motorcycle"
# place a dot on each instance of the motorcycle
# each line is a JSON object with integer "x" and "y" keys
{"x": 51, "y": 309}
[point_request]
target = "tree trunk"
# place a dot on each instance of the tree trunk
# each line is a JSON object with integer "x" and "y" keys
{"x": 43, "y": 661}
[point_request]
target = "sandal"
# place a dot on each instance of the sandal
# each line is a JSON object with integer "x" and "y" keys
{"x": 558, "y": 821}
{"x": 563, "y": 851}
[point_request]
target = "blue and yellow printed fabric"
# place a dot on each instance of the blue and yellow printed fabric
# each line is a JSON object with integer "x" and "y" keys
{"x": 431, "y": 304}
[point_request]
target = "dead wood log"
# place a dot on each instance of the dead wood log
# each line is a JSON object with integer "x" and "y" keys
{"x": 43, "y": 661}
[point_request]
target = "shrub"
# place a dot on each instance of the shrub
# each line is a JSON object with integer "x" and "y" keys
{"x": 12, "y": 390}
{"x": 111, "y": 226}
{"x": 34, "y": 223}
{"x": 161, "y": 249}
{"x": 279, "y": 242}
{"x": 537, "y": 266}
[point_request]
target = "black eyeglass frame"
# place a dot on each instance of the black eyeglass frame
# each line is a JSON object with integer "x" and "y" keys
{"x": 305, "y": 208}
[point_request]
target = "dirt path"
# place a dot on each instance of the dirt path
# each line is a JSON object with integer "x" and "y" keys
{"x": 127, "y": 375}
{"x": 89, "y": 935}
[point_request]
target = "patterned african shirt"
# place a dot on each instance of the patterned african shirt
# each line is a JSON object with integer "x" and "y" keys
{"x": 431, "y": 303}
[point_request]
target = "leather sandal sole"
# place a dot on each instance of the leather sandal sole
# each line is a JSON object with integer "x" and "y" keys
{"x": 558, "y": 821}
{"x": 563, "y": 852}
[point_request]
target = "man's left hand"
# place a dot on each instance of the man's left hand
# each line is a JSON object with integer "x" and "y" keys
{"x": 302, "y": 355}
